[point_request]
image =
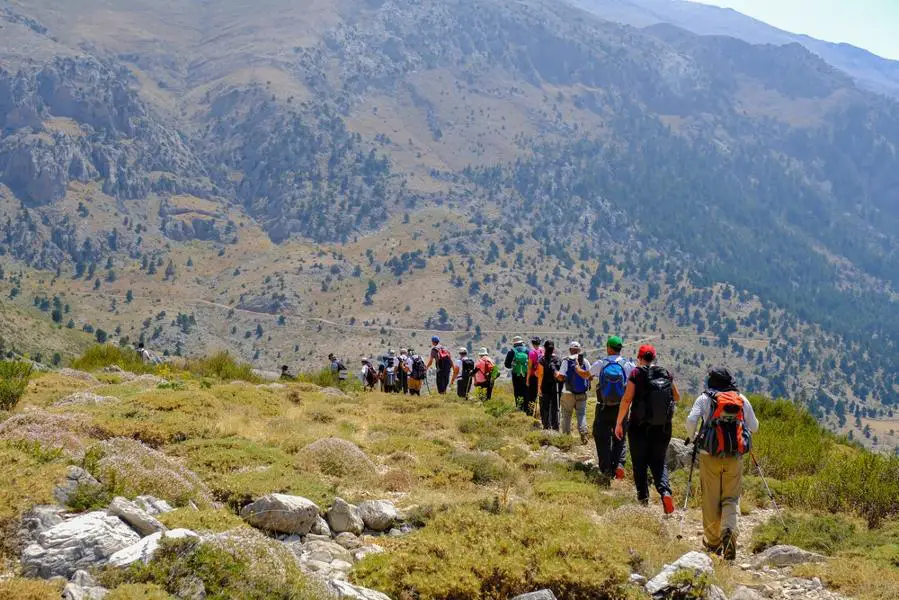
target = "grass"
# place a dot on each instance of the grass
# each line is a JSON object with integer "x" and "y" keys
{"x": 14, "y": 376}
{"x": 29, "y": 475}
{"x": 221, "y": 366}
{"x": 100, "y": 356}
{"x": 202, "y": 521}
{"x": 30, "y": 589}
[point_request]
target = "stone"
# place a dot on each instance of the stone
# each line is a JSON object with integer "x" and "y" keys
{"x": 333, "y": 391}
{"x": 367, "y": 550}
{"x": 345, "y": 518}
{"x": 85, "y": 399}
{"x": 693, "y": 561}
{"x": 538, "y": 595}
{"x": 378, "y": 515}
{"x": 637, "y": 579}
{"x": 37, "y": 520}
{"x": 281, "y": 513}
{"x": 325, "y": 552}
{"x": 679, "y": 455}
{"x": 80, "y": 375}
{"x": 745, "y": 593}
{"x": 153, "y": 506}
{"x": 83, "y": 587}
{"x": 783, "y": 556}
{"x": 139, "y": 519}
{"x": 714, "y": 593}
{"x": 85, "y": 541}
{"x": 347, "y": 591}
{"x": 341, "y": 565}
{"x": 348, "y": 541}
{"x": 145, "y": 549}
{"x": 320, "y": 527}
{"x": 76, "y": 477}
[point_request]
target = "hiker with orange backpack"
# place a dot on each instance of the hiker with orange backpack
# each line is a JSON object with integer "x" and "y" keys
{"x": 726, "y": 435}
{"x": 483, "y": 373}
{"x": 649, "y": 399}
{"x": 443, "y": 360}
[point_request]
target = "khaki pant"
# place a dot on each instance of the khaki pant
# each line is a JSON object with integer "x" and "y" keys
{"x": 722, "y": 483}
{"x": 576, "y": 403}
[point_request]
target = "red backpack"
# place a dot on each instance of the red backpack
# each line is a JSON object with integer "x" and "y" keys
{"x": 444, "y": 359}
{"x": 725, "y": 432}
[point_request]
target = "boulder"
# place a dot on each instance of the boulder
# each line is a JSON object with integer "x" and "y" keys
{"x": 333, "y": 391}
{"x": 281, "y": 513}
{"x": 320, "y": 527}
{"x": 324, "y": 552}
{"x": 153, "y": 506}
{"x": 348, "y": 591}
{"x": 348, "y": 541}
{"x": 679, "y": 455}
{"x": 378, "y": 515}
{"x": 714, "y": 593}
{"x": 76, "y": 477}
{"x": 366, "y": 550}
{"x": 745, "y": 593}
{"x": 37, "y": 520}
{"x": 637, "y": 579}
{"x": 345, "y": 518}
{"x": 83, "y": 587}
{"x": 784, "y": 556}
{"x": 697, "y": 562}
{"x": 145, "y": 549}
{"x": 538, "y": 595}
{"x": 85, "y": 399}
{"x": 85, "y": 541}
{"x": 139, "y": 519}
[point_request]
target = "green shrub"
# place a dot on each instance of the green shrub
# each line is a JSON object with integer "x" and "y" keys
{"x": 541, "y": 437}
{"x": 30, "y": 589}
{"x": 496, "y": 408}
{"x": 819, "y": 533}
{"x": 105, "y": 355}
{"x": 138, "y": 591}
{"x": 14, "y": 376}
{"x": 223, "y": 366}
{"x": 789, "y": 442}
{"x": 864, "y": 483}
{"x": 468, "y": 554}
{"x": 336, "y": 458}
{"x": 204, "y": 520}
{"x": 328, "y": 378}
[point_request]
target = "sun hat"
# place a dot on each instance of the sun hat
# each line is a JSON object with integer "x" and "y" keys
{"x": 483, "y": 352}
{"x": 517, "y": 340}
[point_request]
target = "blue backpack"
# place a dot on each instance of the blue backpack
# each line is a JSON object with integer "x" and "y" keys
{"x": 575, "y": 383}
{"x": 612, "y": 382}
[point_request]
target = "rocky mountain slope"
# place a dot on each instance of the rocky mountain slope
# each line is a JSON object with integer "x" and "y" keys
{"x": 356, "y": 174}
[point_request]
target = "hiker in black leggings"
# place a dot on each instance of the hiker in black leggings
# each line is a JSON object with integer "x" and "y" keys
{"x": 549, "y": 390}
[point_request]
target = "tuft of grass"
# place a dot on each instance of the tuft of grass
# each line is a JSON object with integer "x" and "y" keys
{"x": 335, "y": 457}
{"x": 222, "y": 366}
{"x": 819, "y": 533}
{"x": 485, "y": 467}
{"x": 790, "y": 442}
{"x": 203, "y": 520}
{"x": 138, "y": 591}
{"x": 541, "y": 437}
{"x": 28, "y": 478}
{"x": 30, "y": 589}
{"x": 106, "y": 355}
{"x": 14, "y": 376}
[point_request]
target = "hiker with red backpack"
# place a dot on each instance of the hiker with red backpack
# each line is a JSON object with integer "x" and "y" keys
{"x": 611, "y": 374}
{"x": 518, "y": 362}
{"x": 574, "y": 397}
{"x": 443, "y": 360}
{"x": 648, "y": 407}
{"x": 483, "y": 373}
{"x": 726, "y": 435}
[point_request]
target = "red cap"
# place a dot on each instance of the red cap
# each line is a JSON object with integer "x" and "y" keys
{"x": 646, "y": 350}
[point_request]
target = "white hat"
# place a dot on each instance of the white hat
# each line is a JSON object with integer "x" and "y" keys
{"x": 517, "y": 340}
{"x": 463, "y": 350}
{"x": 483, "y": 352}
{"x": 574, "y": 346}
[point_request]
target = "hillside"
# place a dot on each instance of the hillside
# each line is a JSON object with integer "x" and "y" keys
{"x": 481, "y": 504}
{"x": 353, "y": 175}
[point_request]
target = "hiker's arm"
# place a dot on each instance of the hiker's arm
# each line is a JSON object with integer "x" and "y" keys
{"x": 455, "y": 373}
{"x": 585, "y": 374}
{"x": 539, "y": 380}
{"x": 695, "y": 414}
{"x": 509, "y": 356}
{"x": 752, "y": 422}
{"x": 675, "y": 391}
{"x": 624, "y": 409}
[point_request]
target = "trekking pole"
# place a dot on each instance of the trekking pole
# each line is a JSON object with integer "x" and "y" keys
{"x": 680, "y": 531}
{"x": 768, "y": 489}
{"x": 427, "y": 384}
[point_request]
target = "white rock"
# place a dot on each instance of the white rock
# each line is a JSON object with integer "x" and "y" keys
{"x": 145, "y": 549}
{"x": 321, "y": 527}
{"x": 693, "y": 561}
{"x": 341, "y": 565}
{"x": 153, "y": 506}
{"x": 366, "y": 550}
{"x": 539, "y": 595}
{"x": 348, "y": 591}
{"x": 378, "y": 515}
{"x": 783, "y": 556}
{"x": 637, "y": 579}
{"x": 139, "y": 519}
{"x": 85, "y": 541}
{"x": 678, "y": 455}
{"x": 324, "y": 551}
{"x": 83, "y": 587}
{"x": 348, "y": 541}
{"x": 76, "y": 477}
{"x": 345, "y": 518}
{"x": 281, "y": 513}
{"x": 745, "y": 593}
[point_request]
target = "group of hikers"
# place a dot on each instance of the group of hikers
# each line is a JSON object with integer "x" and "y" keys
{"x": 635, "y": 407}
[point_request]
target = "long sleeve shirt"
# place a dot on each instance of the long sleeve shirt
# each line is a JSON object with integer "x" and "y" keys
{"x": 702, "y": 409}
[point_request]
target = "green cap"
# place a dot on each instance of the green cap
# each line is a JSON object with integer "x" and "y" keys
{"x": 615, "y": 343}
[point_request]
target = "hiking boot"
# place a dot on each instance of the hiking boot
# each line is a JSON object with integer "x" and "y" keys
{"x": 583, "y": 439}
{"x": 716, "y": 550}
{"x": 619, "y": 473}
{"x": 729, "y": 545}
{"x": 667, "y": 504}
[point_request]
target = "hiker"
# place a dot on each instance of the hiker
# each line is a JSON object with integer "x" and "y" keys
{"x": 546, "y": 384}
{"x": 483, "y": 373}
{"x": 517, "y": 361}
{"x": 391, "y": 377}
{"x": 401, "y": 372}
{"x": 535, "y": 355}
{"x": 285, "y": 374}
{"x": 368, "y": 375}
{"x": 338, "y": 368}
{"x": 463, "y": 369}
{"x": 611, "y": 373}
{"x": 146, "y": 356}
{"x": 443, "y": 360}
{"x": 574, "y": 398}
{"x": 649, "y": 398}
{"x": 726, "y": 435}
{"x": 417, "y": 371}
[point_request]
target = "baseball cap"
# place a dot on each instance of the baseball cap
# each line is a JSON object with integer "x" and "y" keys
{"x": 647, "y": 352}
{"x": 536, "y": 340}
{"x": 435, "y": 340}
{"x": 615, "y": 343}
{"x": 574, "y": 345}
{"x": 463, "y": 350}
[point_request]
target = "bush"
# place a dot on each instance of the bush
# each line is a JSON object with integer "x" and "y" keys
{"x": 789, "y": 442}
{"x": 864, "y": 483}
{"x": 30, "y": 589}
{"x": 14, "y": 376}
{"x": 485, "y": 467}
{"x": 468, "y": 554}
{"x": 542, "y": 437}
{"x": 336, "y": 458}
{"x": 139, "y": 591}
{"x": 106, "y": 355}
{"x": 223, "y": 366}
{"x": 204, "y": 520}
{"x": 819, "y": 533}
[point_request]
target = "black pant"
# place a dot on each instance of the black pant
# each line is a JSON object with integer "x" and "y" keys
{"x": 649, "y": 445}
{"x": 404, "y": 381}
{"x": 531, "y": 395}
{"x": 443, "y": 379}
{"x": 549, "y": 407}
{"x": 462, "y": 385}
{"x": 520, "y": 390}
{"x": 610, "y": 451}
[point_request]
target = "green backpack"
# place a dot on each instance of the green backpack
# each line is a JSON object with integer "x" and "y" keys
{"x": 520, "y": 361}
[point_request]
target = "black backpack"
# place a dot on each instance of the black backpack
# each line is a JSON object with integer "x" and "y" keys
{"x": 551, "y": 366}
{"x": 655, "y": 405}
{"x": 418, "y": 368}
{"x": 467, "y": 367}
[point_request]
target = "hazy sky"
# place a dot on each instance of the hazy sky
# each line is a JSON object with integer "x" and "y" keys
{"x": 869, "y": 24}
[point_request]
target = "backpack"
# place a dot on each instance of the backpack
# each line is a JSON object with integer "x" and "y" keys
{"x": 444, "y": 359}
{"x": 574, "y": 382}
{"x": 418, "y": 368}
{"x": 467, "y": 367}
{"x": 482, "y": 374}
{"x": 390, "y": 378}
{"x": 725, "y": 433}
{"x": 371, "y": 378}
{"x": 520, "y": 361}
{"x": 612, "y": 383}
{"x": 551, "y": 366}
{"x": 656, "y": 402}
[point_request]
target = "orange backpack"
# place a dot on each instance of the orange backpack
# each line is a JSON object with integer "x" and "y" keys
{"x": 725, "y": 433}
